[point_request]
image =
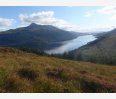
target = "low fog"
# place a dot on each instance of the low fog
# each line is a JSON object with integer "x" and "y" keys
{"x": 72, "y": 44}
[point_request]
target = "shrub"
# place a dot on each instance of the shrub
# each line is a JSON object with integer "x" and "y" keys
{"x": 11, "y": 85}
{"x": 94, "y": 86}
{"x": 27, "y": 73}
{"x": 57, "y": 74}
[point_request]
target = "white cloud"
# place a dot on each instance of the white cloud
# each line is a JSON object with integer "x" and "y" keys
{"x": 88, "y": 14}
{"x": 107, "y": 10}
{"x": 46, "y": 18}
{"x": 6, "y": 22}
{"x": 113, "y": 18}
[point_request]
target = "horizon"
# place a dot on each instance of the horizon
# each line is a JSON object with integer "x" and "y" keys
{"x": 78, "y": 19}
{"x": 83, "y": 31}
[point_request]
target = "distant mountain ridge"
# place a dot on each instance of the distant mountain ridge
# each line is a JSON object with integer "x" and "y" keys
{"x": 102, "y": 50}
{"x": 41, "y": 37}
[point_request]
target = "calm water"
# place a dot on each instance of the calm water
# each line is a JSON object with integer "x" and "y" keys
{"x": 72, "y": 44}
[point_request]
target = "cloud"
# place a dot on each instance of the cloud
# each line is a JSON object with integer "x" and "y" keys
{"x": 46, "y": 18}
{"x": 107, "y": 10}
{"x": 88, "y": 14}
{"x": 6, "y": 22}
{"x": 113, "y": 18}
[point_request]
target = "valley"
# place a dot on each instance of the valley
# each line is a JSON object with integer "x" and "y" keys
{"x": 47, "y": 59}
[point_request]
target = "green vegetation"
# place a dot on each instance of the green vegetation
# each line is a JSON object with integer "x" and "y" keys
{"x": 31, "y": 50}
{"x": 41, "y": 37}
{"x": 28, "y": 72}
{"x": 102, "y": 50}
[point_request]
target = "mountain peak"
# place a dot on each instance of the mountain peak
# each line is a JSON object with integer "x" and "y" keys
{"x": 37, "y": 26}
{"x": 33, "y": 24}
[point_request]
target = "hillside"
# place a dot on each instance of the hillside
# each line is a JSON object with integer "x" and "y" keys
{"x": 28, "y": 72}
{"x": 40, "y": 37}
{"x": 102, "y": 50}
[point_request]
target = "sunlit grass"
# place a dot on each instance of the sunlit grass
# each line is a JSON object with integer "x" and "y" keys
{"x": 27, "y": 72}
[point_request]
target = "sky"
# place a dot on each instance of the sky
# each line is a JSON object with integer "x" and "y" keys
{"x": 71, "y": 18}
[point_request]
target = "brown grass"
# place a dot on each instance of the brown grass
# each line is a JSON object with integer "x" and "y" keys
{"x": 27, "y": 72}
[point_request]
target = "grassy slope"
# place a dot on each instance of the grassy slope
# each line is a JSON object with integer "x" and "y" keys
{"x": 27, "y": 72}
{"x": 103, "y": 50}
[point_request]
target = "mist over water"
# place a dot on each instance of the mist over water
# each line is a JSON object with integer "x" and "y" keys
{"x": 72, "y": 44}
